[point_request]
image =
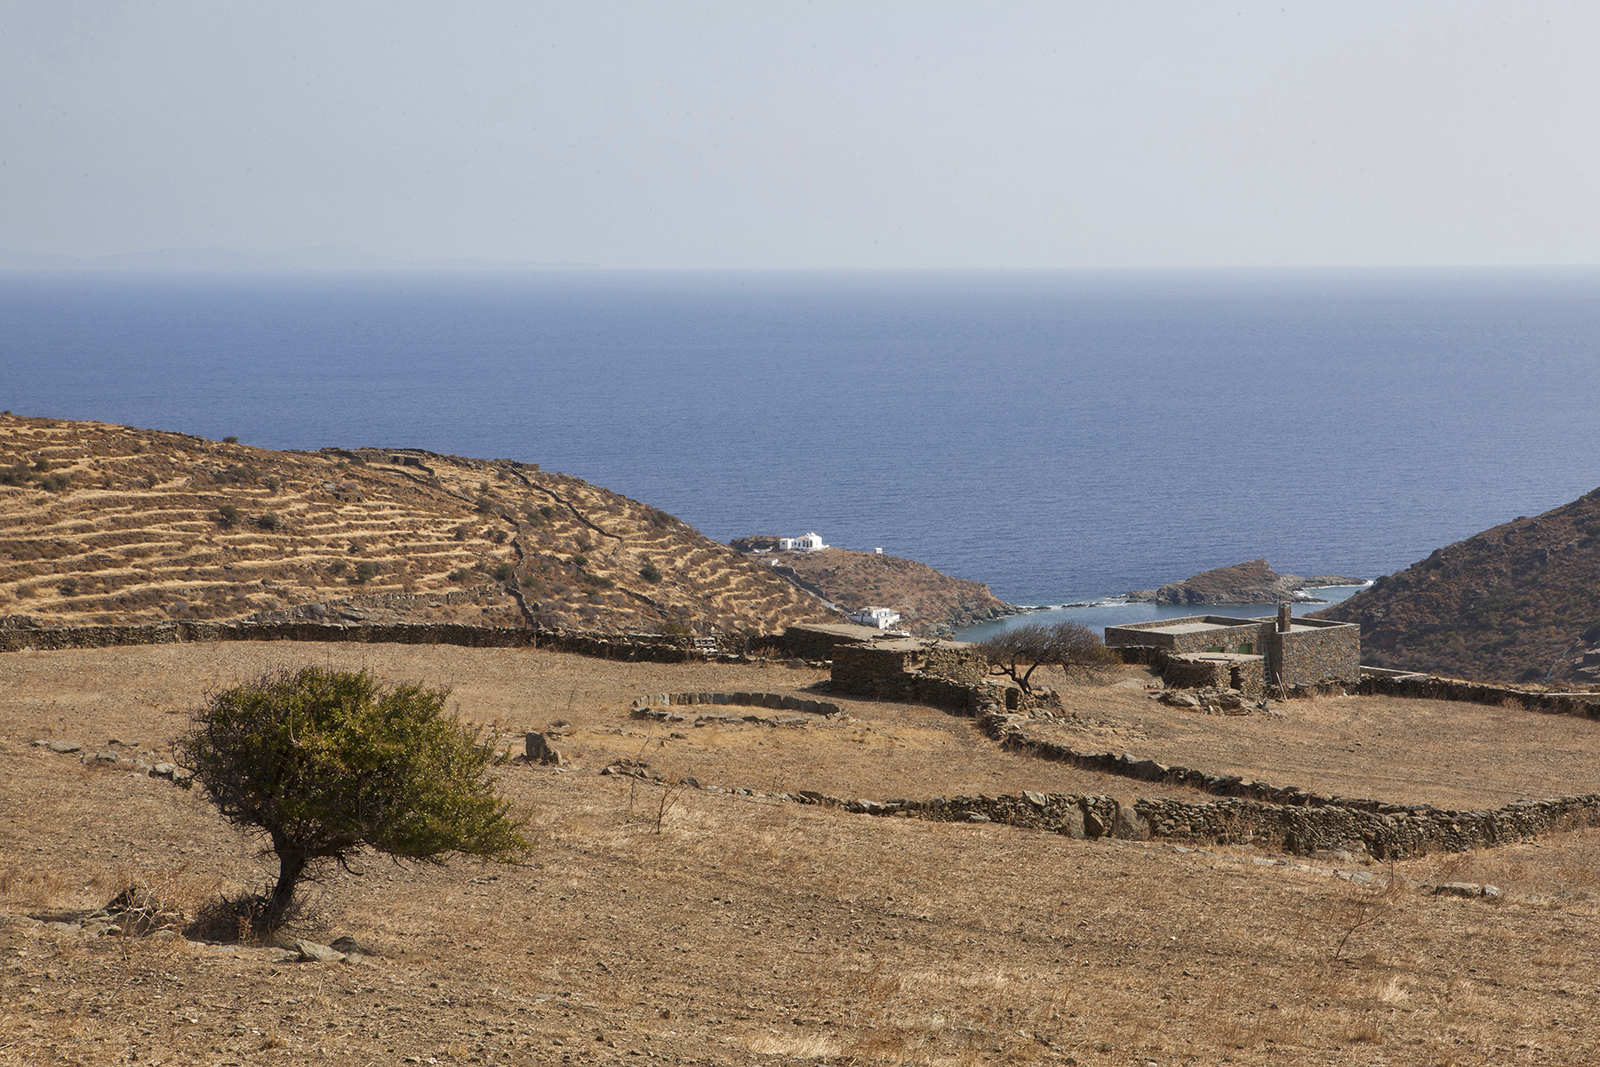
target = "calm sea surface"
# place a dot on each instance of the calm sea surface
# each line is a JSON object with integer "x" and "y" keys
{"x": 1060, "y": 436}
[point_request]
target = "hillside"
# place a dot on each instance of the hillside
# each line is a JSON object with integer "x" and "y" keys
{"x": 109, "y": 524}
{"x": 927, "y": 600}
{"x": 1254, "y": 582}
{"x": 1516, "y": 602}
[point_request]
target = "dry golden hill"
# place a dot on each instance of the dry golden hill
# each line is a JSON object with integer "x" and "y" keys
{"x": 109, "y": 524}
{"x": 1517, "y": 602}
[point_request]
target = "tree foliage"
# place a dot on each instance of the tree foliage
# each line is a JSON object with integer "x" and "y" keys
{"x": 326, "y": 763}
{"x": 1019, "y": 651}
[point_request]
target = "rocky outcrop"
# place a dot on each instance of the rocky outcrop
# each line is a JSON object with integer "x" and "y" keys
{"x": 1254, "y": 582}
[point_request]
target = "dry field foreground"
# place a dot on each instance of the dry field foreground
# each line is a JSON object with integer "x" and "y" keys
{"x": 729, "y": 929}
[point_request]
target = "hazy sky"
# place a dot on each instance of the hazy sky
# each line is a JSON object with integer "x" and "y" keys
{"x": 855, "y": 134}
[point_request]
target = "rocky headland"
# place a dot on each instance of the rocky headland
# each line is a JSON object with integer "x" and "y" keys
{"x": 1252, "y": 582}
{"x": 929, "y": 602}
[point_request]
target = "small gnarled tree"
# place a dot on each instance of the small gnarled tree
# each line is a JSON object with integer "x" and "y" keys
{"x": 1020, "y": 650}
{"x": 326, "y": 763}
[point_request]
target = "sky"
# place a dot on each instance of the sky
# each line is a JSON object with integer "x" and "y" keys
{"x": 857, "y": 134}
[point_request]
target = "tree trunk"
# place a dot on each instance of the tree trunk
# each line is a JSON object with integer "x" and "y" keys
{"x": 291, "y": 866}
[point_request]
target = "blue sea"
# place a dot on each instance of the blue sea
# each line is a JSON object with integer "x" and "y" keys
{"x": 1061, "y": 436}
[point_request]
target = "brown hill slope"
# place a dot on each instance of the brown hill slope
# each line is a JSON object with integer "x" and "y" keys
{"x": 927, "y": 600}
{"x": 109, "y": 524}
{"x": 1516, "y": 602}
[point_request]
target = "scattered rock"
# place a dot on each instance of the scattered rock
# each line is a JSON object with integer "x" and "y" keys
{"x": 311, "y": 952}
{"x": 540, "y": 750}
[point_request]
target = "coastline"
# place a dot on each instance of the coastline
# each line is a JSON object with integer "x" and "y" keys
{"x": 1118, "y": 610}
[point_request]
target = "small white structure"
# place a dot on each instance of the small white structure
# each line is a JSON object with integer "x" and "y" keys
{"x": 882, "y": 618}
{"x": 809, "y": 543}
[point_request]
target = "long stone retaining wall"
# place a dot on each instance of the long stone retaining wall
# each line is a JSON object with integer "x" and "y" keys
{"x": 1425, "y": 687}
{"x": 1009, "y": 732}
{"x": 644, "y": 647}
{"x": 1300, "y": 830}
{"x": 775, "y": 701}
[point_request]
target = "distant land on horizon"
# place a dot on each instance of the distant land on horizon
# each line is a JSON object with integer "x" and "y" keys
{"x": 229, "y": 260}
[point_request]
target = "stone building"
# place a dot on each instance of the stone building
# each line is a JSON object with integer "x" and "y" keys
{"x": 1285, "y": 650}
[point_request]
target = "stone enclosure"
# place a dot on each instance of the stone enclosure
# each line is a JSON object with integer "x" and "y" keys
{"x": 1264, "y": 654}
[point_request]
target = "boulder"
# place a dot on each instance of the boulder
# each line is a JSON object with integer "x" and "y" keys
{"x": 1129, "y": 824}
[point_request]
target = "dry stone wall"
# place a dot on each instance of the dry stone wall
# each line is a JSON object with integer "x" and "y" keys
{"x": 1423, "y": 687}
{"x": 774, "y": 701}
{"x": 642, "y": 647}
{"x": 1299, "y": 830}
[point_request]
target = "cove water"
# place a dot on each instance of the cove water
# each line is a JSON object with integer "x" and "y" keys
{"x": 1061, "y": 436}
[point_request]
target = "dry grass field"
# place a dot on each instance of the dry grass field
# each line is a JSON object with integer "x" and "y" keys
{"x": 692, "y": 926}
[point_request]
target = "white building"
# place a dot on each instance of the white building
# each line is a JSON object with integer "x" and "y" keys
{"x": 809, "y": 543}
{"x": 882, "y": 618}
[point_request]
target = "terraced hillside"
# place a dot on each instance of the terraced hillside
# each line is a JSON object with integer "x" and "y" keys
{"x": 109, "y": 524}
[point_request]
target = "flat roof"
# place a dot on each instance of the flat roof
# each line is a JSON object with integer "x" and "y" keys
{"x": 1187, "y": 627}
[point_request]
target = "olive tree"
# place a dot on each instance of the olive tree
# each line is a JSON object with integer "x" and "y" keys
{"x": 326, "y": 763}
{"x": 1020, "y": 650}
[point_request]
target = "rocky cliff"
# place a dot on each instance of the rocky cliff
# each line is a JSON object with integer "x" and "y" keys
{"x": 1518, "y": 602}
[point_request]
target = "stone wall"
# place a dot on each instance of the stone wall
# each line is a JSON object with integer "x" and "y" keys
{"x": 888, "y": 666}
{"x": 1301, "y": 830}
{"x": 953, "y": 677}
{"x": 1312, "y": 654}
{"x": 1423, "y": 687}
{"x": 775, "y": 701}
{"x": 642, "y": 647}
{"x": 817, "y": 642}
{"x": 1215, "y": 670}
{"x": 1237, "y": 635}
